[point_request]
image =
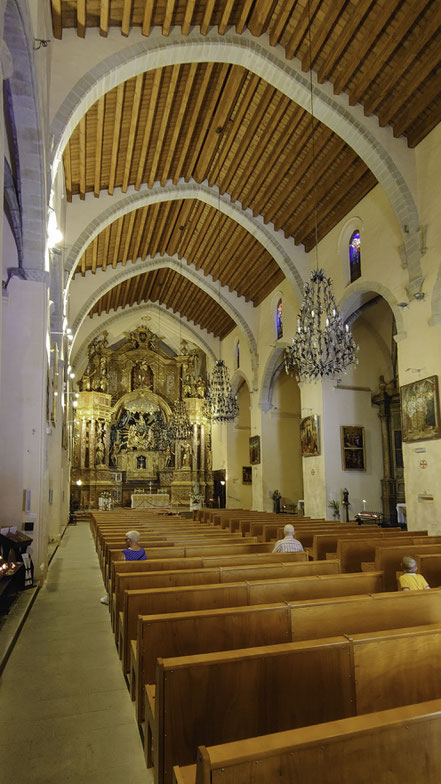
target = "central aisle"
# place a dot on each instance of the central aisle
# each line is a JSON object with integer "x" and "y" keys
{"x": 66, "y": 711}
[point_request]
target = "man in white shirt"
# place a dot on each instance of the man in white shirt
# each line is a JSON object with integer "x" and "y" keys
{"x": 288, "y": 544}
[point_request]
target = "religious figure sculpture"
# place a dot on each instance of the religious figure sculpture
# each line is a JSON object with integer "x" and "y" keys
{"x": 276, "y": 502}
{"x": 200, "y": 387}
{"x": 99, "y": 453}
{"x": 186, "y": 456}
{"x": 186, "y": 387}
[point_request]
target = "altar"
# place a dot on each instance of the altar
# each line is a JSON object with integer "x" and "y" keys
{"x": 149, "y": 500}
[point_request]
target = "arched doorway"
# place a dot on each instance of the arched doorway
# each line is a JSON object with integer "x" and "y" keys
{"x": 239, "y": 477}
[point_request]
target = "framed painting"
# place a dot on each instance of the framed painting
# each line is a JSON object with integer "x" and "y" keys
{"x": 247, "y": 475}
{"x": 310, "y": 436}
{"x": 353, "y": 453}
{"x": 255, "y": 450}
{"x": 420, "y": 410}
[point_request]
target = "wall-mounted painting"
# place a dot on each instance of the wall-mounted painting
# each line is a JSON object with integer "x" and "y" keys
{"x": 309, "y": 436}
{"x": 420, "y": 410}
{"x": 247, "y": 475}
{"x": 353, "y": 454}
{"x": 255, "y": 450}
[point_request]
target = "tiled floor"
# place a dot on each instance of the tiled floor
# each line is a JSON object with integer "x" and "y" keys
{"x": 66, "y": 712}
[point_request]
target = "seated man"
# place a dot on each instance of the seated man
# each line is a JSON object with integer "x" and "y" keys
{"x": 410, "y": 581}
{"x": 288, "y": 544}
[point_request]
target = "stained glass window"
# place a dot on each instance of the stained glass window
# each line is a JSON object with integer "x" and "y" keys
{"x": 237, "y": 355}
{"x": 279, "y": 319}
{"x": 355, "y": 256}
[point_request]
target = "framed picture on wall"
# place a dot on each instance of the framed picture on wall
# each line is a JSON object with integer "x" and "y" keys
{"x": 420, "y": 418}
{"x": 353, "y": 453}
{"x": 247, "y": 475}
{"x": 310, "y": 436}
{"x": 255, "y": 450}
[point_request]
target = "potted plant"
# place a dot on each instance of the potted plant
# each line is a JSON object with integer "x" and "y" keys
{"x": 335, "y": 506}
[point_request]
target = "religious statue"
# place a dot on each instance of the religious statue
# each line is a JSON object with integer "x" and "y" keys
{"x": 186, "y": 456}
{"x": 200, "y": 387}
{"x": 276, "y": 502}
{"x": 132, "y": 438}
{"x": 186, "y": 387}
{"x": 346, "y": 504}
{"x": 142, "y": 375}
{"x": 168, "y": 457}
{"x": 99, "y": 453}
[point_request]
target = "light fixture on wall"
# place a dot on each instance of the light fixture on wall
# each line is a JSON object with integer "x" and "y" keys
{"x": 220, "y": 402}
{"x": 323, "y": 346}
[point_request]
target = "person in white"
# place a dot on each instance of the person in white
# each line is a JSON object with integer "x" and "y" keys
{"x": 288, "y": 544}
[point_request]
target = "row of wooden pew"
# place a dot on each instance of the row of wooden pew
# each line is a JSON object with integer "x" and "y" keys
{"x": 220, "y": 648}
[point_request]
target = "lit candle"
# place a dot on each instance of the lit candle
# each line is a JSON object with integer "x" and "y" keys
{"x": 364, "y": 505}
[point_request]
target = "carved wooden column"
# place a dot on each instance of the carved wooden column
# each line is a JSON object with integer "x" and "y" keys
{"x": 388, "y": 483}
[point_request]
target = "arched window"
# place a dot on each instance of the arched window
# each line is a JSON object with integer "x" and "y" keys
{"x": 355, "y": 256}
{"x": 237, "y": 355}
{"x": 279, "y": 319}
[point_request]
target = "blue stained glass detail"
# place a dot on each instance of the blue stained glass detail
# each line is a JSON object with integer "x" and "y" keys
{"x": 279, "y": 319}
{"x": 355, "y": 256}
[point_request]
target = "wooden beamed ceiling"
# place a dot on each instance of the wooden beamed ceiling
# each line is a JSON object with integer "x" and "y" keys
{"x": 385, "y": 55}
{"x": 166, "y": 287}
{"x": 195, "y": 232}
{"x": 220, "y": 124}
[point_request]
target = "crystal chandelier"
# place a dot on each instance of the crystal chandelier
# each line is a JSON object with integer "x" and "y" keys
{"x": 323, "y": 346}
{"x": 220, "y": 403}
{"x": 180, "y": 427}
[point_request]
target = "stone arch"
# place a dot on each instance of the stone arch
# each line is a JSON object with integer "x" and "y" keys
{"x": 236, "y": 381}
{"x": 349, "y": 302}
{"x": 435, "y": 317}
{"x": 183, "y": 190}
{"x": 81, "y": 354}
{"x": 30, "y": 143}
{"x": 189, "y": 272}
{"x": 273, "y": 367}
{"x": 371, "y": 143}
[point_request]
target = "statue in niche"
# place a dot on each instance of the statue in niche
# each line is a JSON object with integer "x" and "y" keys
{"x": 141, "y": 461}
{"x": 142, "y": 376}
{"x": 101, "y": 341}
{"x": 114, "y": 449}
{"x": 187, "y": 390}
{"x": 99, "y": 453}
{"x": 186, "y": 456}
{"x": 200, "y": 387}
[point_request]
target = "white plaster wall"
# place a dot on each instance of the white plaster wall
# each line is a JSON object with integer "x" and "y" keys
{"x": 239, "y": 496}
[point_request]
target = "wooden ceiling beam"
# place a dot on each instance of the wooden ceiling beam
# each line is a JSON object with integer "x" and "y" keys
{"x": 169, "y": 295}
{"x": 104, "y": 18}
{"x": 243, "y": 247}
{"x": 67, "y": 171}
{"x": 206, "y": 116}
{"x": 126, "y": 18}
{"x": 147, "y": 19}
{"x": 262, "y": 13}
{"x": 284, "y": 155}
{"x": 186, "y": 24}
{"x": 128, "y": 231}
{"x": 83, "y": 157}
{"x": 164, "y": 123}
{"x": 139, "y": 82}
{"x": 333, "y": 12}
{"x": 241, "y": 22}
{"x": 227, "y": 95}
{"x": 205, "y": 252}
{"x": 301, "y": 32}
{"x": 169, "y": 227}
{"x": 207, "y": 220}
{"x": 232, "y": 129}
{"x": 148, "y": 127}
{"x": 415, "y": 107}
{"x": 372, "y": 28}
{"x": 150, "y": 280}
{"x": 354, "y": 22}
{"x": 194, "y": 115}
{"x": 119, "y": 228}
{"x": 247, "y": 139}
{"x": 81, "y": 18}
{"x": 168, "y": 16}
{"x": 206, "y": 19}
{"x": 57, "y": 19}
{"x": 384, "y": 50}
{"x": 116, "y": 134}
{"x": 140, "y": 232}
{"x": 279, "y": 26}
{"x": 189, "y": 231}
{"x": 151, "y": 221}
{"x": 125, "y": 292}
{"x": 223, "y": 24}
{"x": 99, "y": 146}
{"x": 159, "y": 227}
{"x": 178, "y": 120}
{"x": 416, "y": 135}
{"x": 267, "y": 283}
{"x": 138, "y": 284}
{"x": 106, "y": 246}
{"x": 187, "y": 295}
{"x": 94, "y": 254}
{"x": 158, "y": 285}
{"x": 185, "y": 207}
{"x": 257, "y": 159}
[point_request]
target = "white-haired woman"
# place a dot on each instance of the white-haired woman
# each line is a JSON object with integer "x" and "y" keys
{"x": 133, "y": 552}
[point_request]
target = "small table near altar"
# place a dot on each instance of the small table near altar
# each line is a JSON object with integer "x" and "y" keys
{"x": 149, "y": 500}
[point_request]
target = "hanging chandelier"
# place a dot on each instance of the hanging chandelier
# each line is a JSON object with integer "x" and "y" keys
{"x": 180, "y": 427}
{"x": 220, "y": 403}
{"x": 323, "y": 346}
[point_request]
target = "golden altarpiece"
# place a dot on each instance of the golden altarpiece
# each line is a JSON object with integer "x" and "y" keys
{"x": 121, "y": 429}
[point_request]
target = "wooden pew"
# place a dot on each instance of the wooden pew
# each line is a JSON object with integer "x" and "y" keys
{"x": 391, "y": 557}
{"x": 203, "y": 631}
{"x": 352, "y": 552}
{"x": 370, "y": 748}
{"x": 327, "y": 542}
{"x": 430, "y": 567}
{"x": 188, "y": 598}
{"x": 337, "y": 675}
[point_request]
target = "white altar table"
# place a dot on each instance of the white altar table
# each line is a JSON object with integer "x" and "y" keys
{"x": 149, "y": 500}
